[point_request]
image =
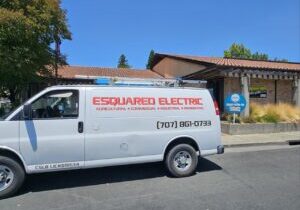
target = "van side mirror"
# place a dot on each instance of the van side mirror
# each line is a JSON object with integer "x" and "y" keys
{"x": 27, "y": 112}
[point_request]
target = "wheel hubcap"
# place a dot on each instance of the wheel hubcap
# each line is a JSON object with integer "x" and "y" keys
{"x": 182, "y": 160}
{"x": 6, "y": 177}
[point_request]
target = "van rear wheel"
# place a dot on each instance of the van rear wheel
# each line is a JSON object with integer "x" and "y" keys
{"x": 181, "y": 160}
{"x": 12, "y": 176}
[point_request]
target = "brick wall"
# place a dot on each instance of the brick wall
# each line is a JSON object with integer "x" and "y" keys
{"x": 269, "y": 85}
{"x": 231, "y": 85}
{"x": 284, "y": 89}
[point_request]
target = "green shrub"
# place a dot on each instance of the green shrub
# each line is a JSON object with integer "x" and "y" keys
{"x": 249, "y": 119}
{"x": 224, "y": 116}
{"x": 229, "y": 118}
{"x": 270, "y": 118}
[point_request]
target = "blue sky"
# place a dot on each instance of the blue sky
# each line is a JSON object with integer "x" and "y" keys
{"x": 104, "y": 29}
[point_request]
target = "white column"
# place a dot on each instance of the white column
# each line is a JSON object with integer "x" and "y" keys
{"x": 245, "y": 93}
{"x": 296, "y": 96}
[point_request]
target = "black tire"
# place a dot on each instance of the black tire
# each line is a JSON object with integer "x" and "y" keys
{"x": 183, "y": 149}
{"x": 18, "y": 176}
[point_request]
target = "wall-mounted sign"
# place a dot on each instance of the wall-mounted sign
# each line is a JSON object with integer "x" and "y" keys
{"x": 258, "y": 92}
{"x": 235, "y": 103}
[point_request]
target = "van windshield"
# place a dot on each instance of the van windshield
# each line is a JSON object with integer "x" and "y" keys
{"x": 14, "y": 109}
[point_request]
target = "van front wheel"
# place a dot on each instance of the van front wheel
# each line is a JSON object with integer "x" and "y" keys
{"x": 181, "y": 160}
{"x": 12, "y": 176}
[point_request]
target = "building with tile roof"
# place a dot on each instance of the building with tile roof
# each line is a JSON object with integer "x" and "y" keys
{"x": 79, "y": 75}
{"x": 81, "y": 72}
{"x": 259, "y": 81}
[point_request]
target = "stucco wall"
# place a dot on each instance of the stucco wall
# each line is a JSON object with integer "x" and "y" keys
{"x": 172, "y": 68}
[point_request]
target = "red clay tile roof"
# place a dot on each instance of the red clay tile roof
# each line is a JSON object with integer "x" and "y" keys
{"x": 238, "y": 63}
{"x": 72, "y": 72}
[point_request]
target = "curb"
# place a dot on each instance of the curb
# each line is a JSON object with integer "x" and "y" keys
{"x": 260, "y": 144}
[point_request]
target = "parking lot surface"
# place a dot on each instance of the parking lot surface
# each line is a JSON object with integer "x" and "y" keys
{"x": 242, "y": 178}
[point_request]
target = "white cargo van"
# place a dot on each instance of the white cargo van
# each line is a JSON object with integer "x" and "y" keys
{"x": 78, "y": 127}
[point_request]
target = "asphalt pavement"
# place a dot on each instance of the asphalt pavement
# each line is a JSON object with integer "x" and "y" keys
{"x": 261, "y": 177}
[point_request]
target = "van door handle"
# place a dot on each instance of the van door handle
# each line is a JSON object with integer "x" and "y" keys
{"x": 80, "y": 127}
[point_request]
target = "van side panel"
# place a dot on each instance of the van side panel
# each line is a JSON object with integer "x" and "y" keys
{"x": 10, "y": 131}
{"x": 138, "y": 123}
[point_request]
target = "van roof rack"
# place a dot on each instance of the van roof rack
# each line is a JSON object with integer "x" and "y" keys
{"x": 125, "y": 81}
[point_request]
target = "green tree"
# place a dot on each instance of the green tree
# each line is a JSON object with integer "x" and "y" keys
{"x": 238, "y": 51}
{"x": 123, "y": 62}
{"x": 150, "y": 59}
{"x": 280, "y": 59}
{"x": 28, "y": 29}
{"x": 260, "y": 56}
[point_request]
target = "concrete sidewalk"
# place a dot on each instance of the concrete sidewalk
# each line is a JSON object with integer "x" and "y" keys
{"x": 256, "y": 139}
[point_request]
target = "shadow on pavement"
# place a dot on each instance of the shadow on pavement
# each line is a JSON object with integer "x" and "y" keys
{"x": 77, "y": 178}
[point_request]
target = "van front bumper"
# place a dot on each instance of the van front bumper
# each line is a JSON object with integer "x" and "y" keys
{"x": 220, "y": 149}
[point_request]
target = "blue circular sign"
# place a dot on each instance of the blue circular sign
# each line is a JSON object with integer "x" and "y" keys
{"x": 235, "y": 103}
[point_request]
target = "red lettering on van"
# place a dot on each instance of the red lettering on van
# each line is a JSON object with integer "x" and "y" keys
{"x": 145, "y": 101}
